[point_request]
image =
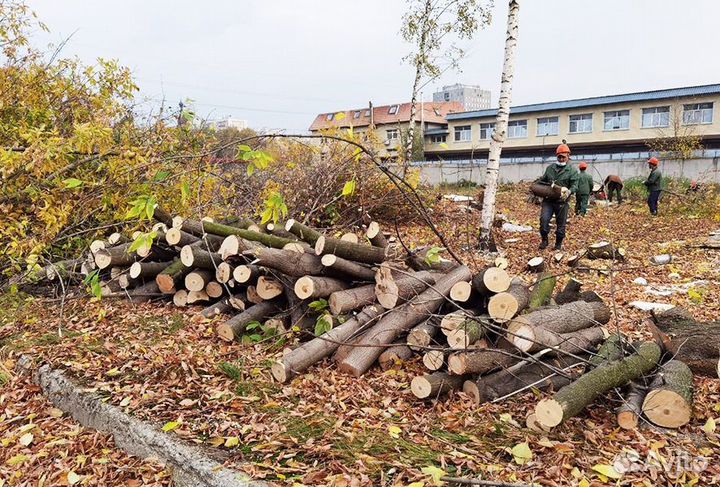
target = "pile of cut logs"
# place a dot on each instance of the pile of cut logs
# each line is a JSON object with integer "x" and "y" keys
{"x": 487, "y": 334}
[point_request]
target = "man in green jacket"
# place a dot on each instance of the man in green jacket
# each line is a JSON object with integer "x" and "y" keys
{"x": 584, "y": 188}
{"x": 566, "y": 177}
{"x": 654, "y": 185}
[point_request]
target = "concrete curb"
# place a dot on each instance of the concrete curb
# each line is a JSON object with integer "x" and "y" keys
{"x": 191, "y": 468}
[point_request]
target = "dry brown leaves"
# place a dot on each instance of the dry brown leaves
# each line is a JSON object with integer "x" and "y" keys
{"x": 328, "y": 429}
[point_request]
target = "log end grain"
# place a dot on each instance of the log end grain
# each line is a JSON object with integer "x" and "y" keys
{"x": 225, "y": 332}
{"x": 627, "y": 420}
{"x": 461, "y": 292}
{"x": 279, "y": 372}
{"x": 186, "y": 256}
{"x": 548, "y": 413}
{"x": 667, "y": 408}
{"x": 502, "y": 307}
{"x": 304, "y": 287}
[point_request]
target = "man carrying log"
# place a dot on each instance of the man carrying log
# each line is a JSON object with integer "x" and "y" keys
{"x": 654, "y": 185}
{"x": 614, "y": 184}
{"x": 565, "y": 177}
{"x": 584, "y": 188}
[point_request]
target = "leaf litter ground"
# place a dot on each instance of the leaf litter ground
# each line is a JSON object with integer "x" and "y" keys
{"x": 165, "y": 365}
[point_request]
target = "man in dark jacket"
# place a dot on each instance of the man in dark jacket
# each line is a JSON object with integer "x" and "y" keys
{"x": 584, "y": 188}
{"x": 613, "y": 184}
{"x": 565, "y": 177}
{"x": 654, "y": 185}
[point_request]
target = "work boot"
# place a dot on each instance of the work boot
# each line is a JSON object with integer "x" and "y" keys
{"x": 544, "y": 244}
{"x": 558, "y": 244}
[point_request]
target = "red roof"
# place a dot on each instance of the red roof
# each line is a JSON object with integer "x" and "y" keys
{"x": 434, "y": 112}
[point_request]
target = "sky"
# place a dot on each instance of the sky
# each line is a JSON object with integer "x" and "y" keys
{"x": 278, "y": 63}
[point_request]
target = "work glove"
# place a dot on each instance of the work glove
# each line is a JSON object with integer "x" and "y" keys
{"x": 564, "y": 193}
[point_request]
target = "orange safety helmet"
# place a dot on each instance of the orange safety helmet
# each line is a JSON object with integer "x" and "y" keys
{"x": 653, "y": 161}
{"x": 562, "y": 149}
{"x": 583, "y": 166}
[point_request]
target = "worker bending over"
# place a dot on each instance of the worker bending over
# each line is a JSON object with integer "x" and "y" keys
{"x": 613, "y": 184}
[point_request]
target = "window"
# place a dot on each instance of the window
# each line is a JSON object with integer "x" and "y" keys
{"x": 357, "y": 114}
{"x": 437, "y": 139}
{"x": 446, "y": 95}
{"x": 329, "y": 116}
{"x": 517, "y": 129}
{"x": 392, "y": 134}
{"x": 486, "y": 130}
{"x": 548, "y": 126}
{"x": 437, "y": 112}
{"x": 367, "y": 112}
{"x": 656, "y": 117}
{"x": 580, "y": 124}
{"x": 393, "y": 109}
{"x": 697, "y": 113}
{"x": 463, "y": 133}
{"x": 617, "y": 120}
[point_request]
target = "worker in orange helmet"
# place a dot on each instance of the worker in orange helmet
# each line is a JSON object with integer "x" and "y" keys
{"x": 584, "y": 188}
{"x": 654, "y": 185}
{"x": 565, "y": 177}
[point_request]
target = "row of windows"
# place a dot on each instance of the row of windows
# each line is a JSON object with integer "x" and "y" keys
{"x": 393, "y": 110}
{"x": 693, "y": 113}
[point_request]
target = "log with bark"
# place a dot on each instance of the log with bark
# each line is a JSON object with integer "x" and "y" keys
{"x": 391, "y": 291}
{"x": 536, "y": 264}
{"x": 490, "y": 281}
{"x": 400, "y": 320}
{"x": 169, "y": 279}
{"x": 669, "y": 400}
{"x": 375, "y": 235}
{"x": 570, "y": 293}
{"x": 338, "y": 266}
{"x": 421, "y": 336}
{"x": 629, "y": 412}
{"x": 268, "y": 288}
{"x": 394, "y": 356}
{"x": 695, "y": 343}
{"x": 288, "y": 262}
{"x": 542, "y": 291}
{"x": 300, "y": 359}
{"x": 483, "y": 360}
{"x": 215, "y": 309}
{"x": 243, "y": 274}
{"x": 235, "y": 326}
{"x": 505, "y": 305}
{"x": 341, "y": 302}
{"x": 434, "y": 385}
{"x": 314, "y": 287}
{"x": 605, "y": 250}
{"x": 198, "y": 279}
{"x": 574, "y": 397}
{"x": 366, "y": 254}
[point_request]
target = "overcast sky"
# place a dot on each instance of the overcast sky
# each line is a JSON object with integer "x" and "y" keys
{"x": 277, "y": 63}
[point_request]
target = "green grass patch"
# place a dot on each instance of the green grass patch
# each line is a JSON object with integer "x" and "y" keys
{"x": 231, "y": 370}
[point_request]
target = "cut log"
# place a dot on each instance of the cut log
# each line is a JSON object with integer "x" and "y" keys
{"x": 224, "y": 272}
{"x": 551, "y": 192}
{"x": 454, "y": 319}
{"x": 541, "y": 375}
{"x": 277, "y": 325}
{"x": 234, "y": 245}
{"x": 197, "y": 297}
{"x": 576, "y": 342}
{"x": 434, "y": 359}
{"x": 628, "y": 413}
{"x": 193, "y": 256}
{"x": 252, "y": 295}
{"x": 221, "y": 307}
{"x": 490, "y": 281}
{"x": 501, "y": 262}
{"x": 350, "y": 237}
{"x": 110, "y": 287}
{"x": 571, "y": 399}
{"x": 115, "y": 256}
{"x": 348, "y": 250}
{"x": 570, "y": 293}
{"x": 303, "y": 232}
{"x": 531, "y": 331}
{"x": 505, "y": 305}
{"x": 390, "y": 291}
{"x": 235, "y": 326}
{"x": 536, "y": 264}
{"x": 299, "y": 247}
{"x": 180, "y": 298}
{"x": 558, "y": 257}
{"x": 301, "y": 358}
{"x": 200, "y": 228}
{"x": 354, "y": 298}
{"x": 268, "y": 288}
{"x": 394, "y": 356}
{"x": 288, "y": 262}
{"x": 96, "y": 245}
{"x": 214, "y": 289}
{"x": 669, "y": 400}
{"x": 171, "y": 277}
{"x": 481, "y": 361}
{"x": 62, "y": 269}
{"x": 343, "y": 267}
{"x": 611, "y": 349}
{"x": 469, "y": 332}
{"x": 542, "y": 291}
{"x": 422, "y": 335}
{"x": 418, "y": 260}
{"x": 176, "y": 237}
{"x": 117, "y": 238}
{"x": 198, "y": 279}
{"x": 605, "y": 250}
{"x": 435, "y": 385}
{"x": 695, "y": 343}
{"x": 313, "y": 287}
{"x": 127, "y": 282}
{"x": 156, "y": 247}
{"x": 146, "y": 292}
{"x": 238, "y": 301}
{"x": 401, "y": 320}
{"x": 246, "y": 273}
{"x": 147, "y": 269}
{"x": 461, "y": 292}
{"x": 375, "y": 235}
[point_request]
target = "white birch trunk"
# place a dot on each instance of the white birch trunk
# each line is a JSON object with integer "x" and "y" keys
{"x": 419, "y": 63}
{"x": 501, "y": 125}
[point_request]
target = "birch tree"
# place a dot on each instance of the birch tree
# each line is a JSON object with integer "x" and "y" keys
{"x": 501, "y": 124}
{"x": 426, "y": 25}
